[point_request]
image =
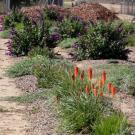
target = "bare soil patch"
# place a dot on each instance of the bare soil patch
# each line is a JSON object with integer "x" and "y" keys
{"x": 12, "y": 116}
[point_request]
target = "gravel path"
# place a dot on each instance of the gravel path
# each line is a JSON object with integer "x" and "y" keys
{"x": 12, "y": 116}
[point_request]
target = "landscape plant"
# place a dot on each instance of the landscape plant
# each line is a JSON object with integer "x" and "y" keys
{"x": 82, "y": 100}
{"x": 116, "y": 124}
{"x": 103, "y": 41}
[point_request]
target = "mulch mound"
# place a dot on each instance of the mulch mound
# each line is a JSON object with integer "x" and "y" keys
{"x": 93, "y": 12}
{"x": 34, "y": 13}
{"x": 86, "y": 11}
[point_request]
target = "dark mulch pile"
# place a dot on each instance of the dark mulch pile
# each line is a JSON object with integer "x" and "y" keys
{"x": 86, "y": 11}
{"x": 34, "y": 13}
{"x": 93, "y": 12}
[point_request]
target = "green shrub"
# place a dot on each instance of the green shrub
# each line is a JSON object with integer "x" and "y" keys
{"x": 41, "y": 51}
{"x": 129, "y": 27}
{"x": 19, "y": 26}
{"x": 25, "y": 67}
{"x": 103, "y": 41}
{"x": 51, "y": 14}
{"x": 5, "y": 34}
{"x": 12, "y": 19}
{"x": 68, "y": 42}
{"x": 115, "y": 124}
{"x": 71, "y": 27}
{"x": 24, "y": 41}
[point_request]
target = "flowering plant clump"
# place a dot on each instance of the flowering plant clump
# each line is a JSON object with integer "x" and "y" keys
{"x": 81, "y": 82}
{"x": 83, "y": 100}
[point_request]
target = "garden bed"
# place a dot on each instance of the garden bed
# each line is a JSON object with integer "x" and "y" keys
{"x": 82, "y": 97}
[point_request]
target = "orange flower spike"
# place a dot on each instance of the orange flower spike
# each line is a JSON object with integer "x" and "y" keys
{"x": 76, "y": 71}
{"x": 104, "y": 77}
{"x": 82, "y": 76}
{"x": 109, "y": 87}
{"x": 101, "y": 94}
{"x": 90, "y": 73}
{"x": 95, "y": 92}
{"x": 87, "y": 90}
{"x": 100, "y": 84}
{"x": 113, "y": 90}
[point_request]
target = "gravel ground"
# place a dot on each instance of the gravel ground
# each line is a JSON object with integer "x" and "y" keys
{"x": 42, "y": 118}
{"x": 27, "y": 83}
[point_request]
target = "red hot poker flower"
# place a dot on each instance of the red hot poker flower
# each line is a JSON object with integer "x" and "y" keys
{"x": 90, "y": 73}
{"x": 100, "y": 84}
{"x": 109, "y": 87}
{"x": 95, "y": 92}
{"x": 104, "y": 77}
{"x": 87, "y": 90}
{"x": 76, "y": 71}
{"x": 113, "y": 90}
{"x": 101, "y": 94}
{"x": 82, "y": 76}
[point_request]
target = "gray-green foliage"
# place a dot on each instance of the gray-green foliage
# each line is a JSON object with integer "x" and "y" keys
{"x": 25, "y": 67}
{"x": 122, "y": 76}
{"x": 4, "y": 34}
{"x": 68, "y": 42}
{"x": 30, "y": 97}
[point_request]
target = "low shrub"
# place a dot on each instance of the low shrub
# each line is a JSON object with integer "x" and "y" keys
{"x": 103, "y": 41}
{"x": 52, "y": 14}
{"x": 68, "y": 42}
{"x": 25, "y": 67}
{"x": 114, "y": 124}
{"x": 72, "y": 27}
{"x": 24, "y": 41}
{"x": 49, "y": 75}
{"x": 41, "y": 51}
{"x": 12, "y": 19}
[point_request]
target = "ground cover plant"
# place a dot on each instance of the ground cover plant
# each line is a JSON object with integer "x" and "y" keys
{"x": 68, "y": 42}
{"x": 25, "y": 67}
{"x": 5, "y": 34}
{"x": 122, "y": 76}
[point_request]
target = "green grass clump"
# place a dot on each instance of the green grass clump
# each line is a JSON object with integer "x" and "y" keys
{"x": 25, "y": 67}
{"x": 115, "y": 124}
{"x": 41, "y": 51}
{"x": 68, "y": 42}
{"x": 30, "y": 97}
{"x": 5, "y": 34}
{"x": 131, "y": 40}
{"x": 122, "y": 76}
